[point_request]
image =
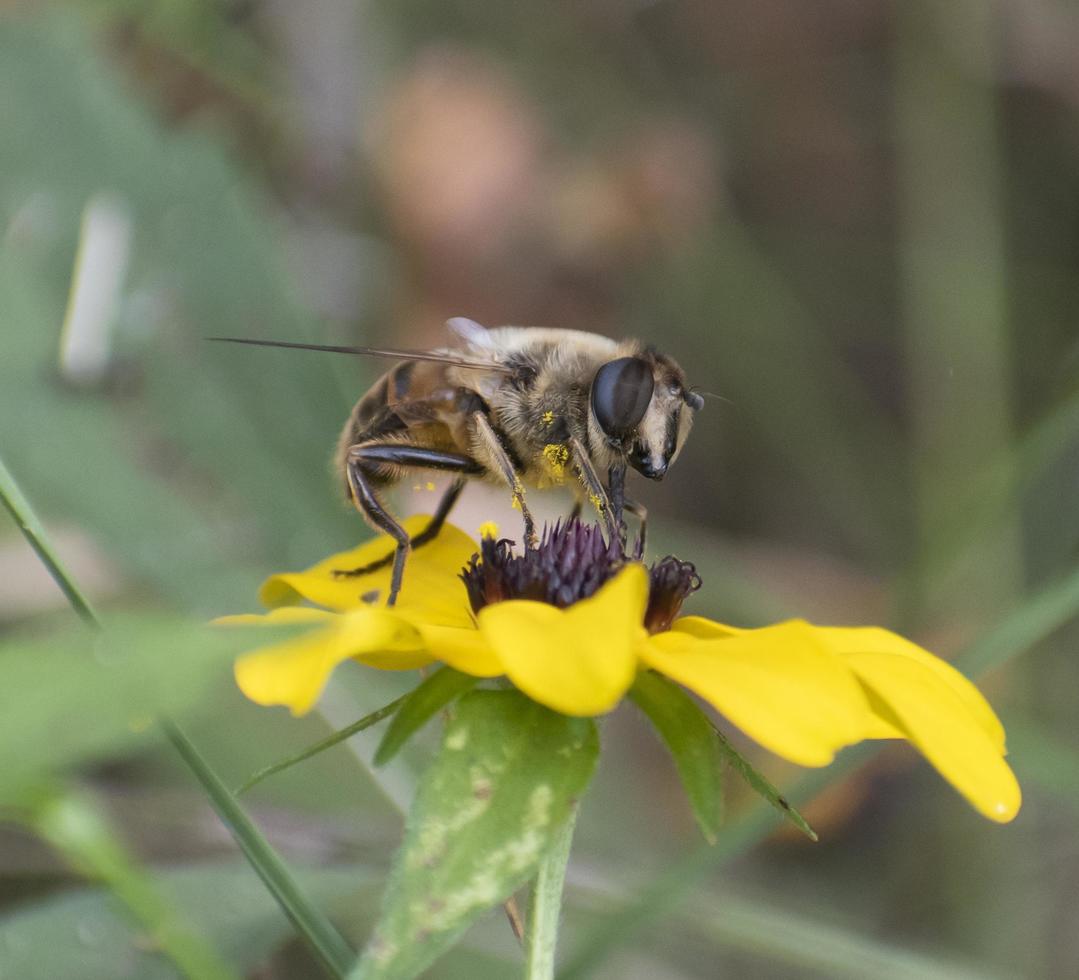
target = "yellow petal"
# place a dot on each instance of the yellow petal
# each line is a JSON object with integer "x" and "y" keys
{"x": 463, "y": 648}
{"x": 872, "y": 639}
{"x": 430, "y": 581}
{"x": 285, "y": 616}
{"x": 704, "y": 629}
{"x": 915, "y": 698}
{"x": 580, "y": 660}
{"x": 293, "y": 673}
{"x": 779, "y": 684}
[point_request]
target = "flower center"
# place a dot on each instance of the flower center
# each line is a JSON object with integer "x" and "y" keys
{"x": 572, "y": 562}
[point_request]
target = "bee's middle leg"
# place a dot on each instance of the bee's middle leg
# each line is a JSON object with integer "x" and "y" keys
{"x": 494, "y": 445}
{"x": 363, "y": 461}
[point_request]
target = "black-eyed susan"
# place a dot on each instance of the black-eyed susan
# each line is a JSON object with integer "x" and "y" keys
{"x": 573, "y": 623}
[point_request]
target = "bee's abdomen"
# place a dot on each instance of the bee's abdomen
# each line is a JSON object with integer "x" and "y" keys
{"x": 392, "y": 387}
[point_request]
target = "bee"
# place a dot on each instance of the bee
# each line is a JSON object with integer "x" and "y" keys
{"x": 518, "y": 406}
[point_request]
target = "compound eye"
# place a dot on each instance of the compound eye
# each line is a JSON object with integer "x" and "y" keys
{"x": 621, "y": 392}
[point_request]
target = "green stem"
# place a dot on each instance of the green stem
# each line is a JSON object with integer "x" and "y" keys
{"x": 326, "y": 943}
{"x": 547, "y": 904}
{"x": 327, "y": 743}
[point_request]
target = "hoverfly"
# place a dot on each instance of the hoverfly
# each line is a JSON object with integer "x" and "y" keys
{"x": 518, "y": 406}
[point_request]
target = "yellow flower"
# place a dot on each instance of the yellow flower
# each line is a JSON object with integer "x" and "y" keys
{"x": 571, "y": 623}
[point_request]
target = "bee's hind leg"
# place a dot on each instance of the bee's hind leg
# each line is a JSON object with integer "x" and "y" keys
{"x": 364, "y": 460}
{"x": 428, "y": 534}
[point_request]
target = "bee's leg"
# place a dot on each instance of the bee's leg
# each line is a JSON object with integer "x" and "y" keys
{"x": 429, "y": 533}
{"x": 639, "y": 511}
{"x": 616, "y": 491}
{"x": 495, "y": 447}
{"x": 593, "y": 486}
{"x": 364, "y": 460}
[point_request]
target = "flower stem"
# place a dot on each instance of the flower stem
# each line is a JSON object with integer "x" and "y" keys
{"x": 547, "y": 904}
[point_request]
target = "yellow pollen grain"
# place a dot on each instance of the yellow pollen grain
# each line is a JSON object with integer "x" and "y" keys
{"x": 488, "y": 529}
{"x": 596, "y": 502}
{"x": 556, "y": 456}
{"x": 547, "y": 418}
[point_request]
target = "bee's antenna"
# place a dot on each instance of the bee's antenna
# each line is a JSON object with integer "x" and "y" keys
{"x": 712, "y": 394}
{"x": 327, "y": 348}
{"x": 390, "y": 352}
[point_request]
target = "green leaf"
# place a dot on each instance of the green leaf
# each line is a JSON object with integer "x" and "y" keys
{"x": 421, "y": 705}
{"x": 762, "y": 786}
{"x": 692, "y": 741}
{"x": 83, "y": 932}
{"x": 486, "y": 811}
{"x": 76, "y": 694}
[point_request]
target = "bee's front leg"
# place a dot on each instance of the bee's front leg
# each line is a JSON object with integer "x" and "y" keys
{"x": 639, "y": 511}
{"x": 616, "y": 490}
{"x": 593, "y": 486}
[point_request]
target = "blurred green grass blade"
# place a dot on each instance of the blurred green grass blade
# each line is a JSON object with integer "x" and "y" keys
{"x": 1044, "y": 759}
{"x": 323, "y": 939}
{"x": 82, "y": 933}
{"x": 807, "y": 944}
{"x": 78, "y": 829}
{"x": 692, "y": 741}
{"x": 1033, "y": 620}
{"x": 444, "y": 686}
{"x": 19, "y": 508}
{"x": 327, "y": 743}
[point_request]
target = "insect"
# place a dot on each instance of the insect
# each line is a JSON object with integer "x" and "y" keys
{"x": 519, "y": 406}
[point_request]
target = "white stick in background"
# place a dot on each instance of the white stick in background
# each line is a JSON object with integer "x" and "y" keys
{"x": 100, "y": 268}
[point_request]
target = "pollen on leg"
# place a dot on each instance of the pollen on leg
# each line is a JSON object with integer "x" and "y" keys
{"x": 557, "y": 456}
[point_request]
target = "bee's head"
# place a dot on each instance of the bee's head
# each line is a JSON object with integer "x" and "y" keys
{"x": 638, "y": 403}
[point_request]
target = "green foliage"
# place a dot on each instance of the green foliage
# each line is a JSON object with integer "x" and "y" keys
{"x": 71, "y": 695}
{"x": 443, "y": 687}
{"x": 82, "y": 933}
{"x": 211, "y": 451}
{"x": 506, "y": 779}
{"x": 693, "y": 744}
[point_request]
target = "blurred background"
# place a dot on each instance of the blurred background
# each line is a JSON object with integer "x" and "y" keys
{"x": 855, "y": 221}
